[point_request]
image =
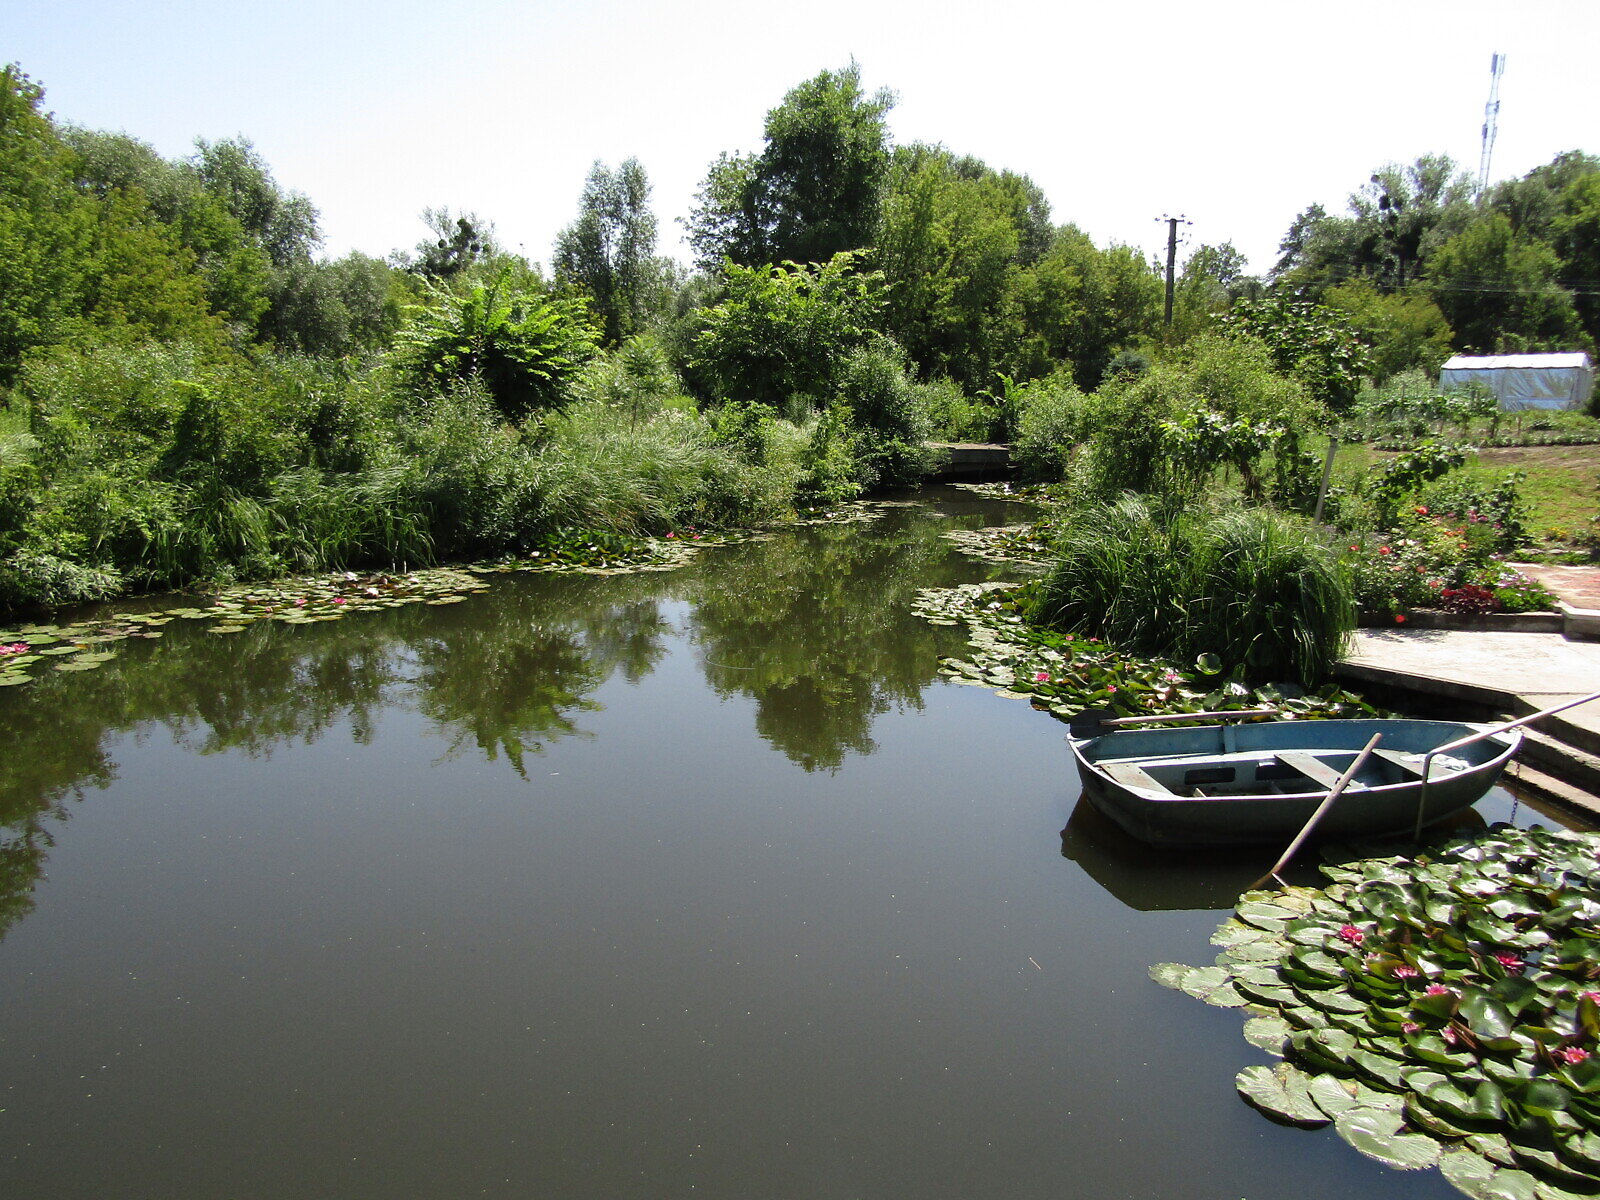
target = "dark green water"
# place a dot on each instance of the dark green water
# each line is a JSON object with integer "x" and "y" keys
{"x": 693, "y": 883}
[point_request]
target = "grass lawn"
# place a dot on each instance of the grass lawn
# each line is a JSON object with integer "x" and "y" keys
{"x": 1562, "y": 485}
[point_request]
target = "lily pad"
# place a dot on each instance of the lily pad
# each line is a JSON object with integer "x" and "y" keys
{"x": 1281, "y": 1092}
{"x": 1482, "y": 1180}
{"x": 1268, "y": 1033}
{"x": 1382, "y": 1134}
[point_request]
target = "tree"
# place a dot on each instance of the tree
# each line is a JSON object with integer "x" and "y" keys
{"x": 1499, "y": 292}
{"x": 1397, "y": 218}
{"x": 1081, "y": 305}
{"x": 74, "y": 258}
{"x": 457, "y": 244}
{"x": 949, "y": 250}
{"x": 283, "y": 224}
{"x": 608, "y": 253}
{"x": 1576, "y": 237}
{"x": 45, "y": 224}
{"x": 1404, "y": 330}
{"x": 812, "y": 192}
{"x": 1212, "y": 279}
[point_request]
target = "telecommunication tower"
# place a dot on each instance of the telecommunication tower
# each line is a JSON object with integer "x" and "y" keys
{"x": 1491, "y": 119}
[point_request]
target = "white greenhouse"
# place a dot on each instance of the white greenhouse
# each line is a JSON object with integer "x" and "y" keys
{"x": 1521, "y": 381}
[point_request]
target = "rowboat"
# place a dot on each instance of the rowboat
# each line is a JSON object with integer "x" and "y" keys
{"x": 1226, "y": 784}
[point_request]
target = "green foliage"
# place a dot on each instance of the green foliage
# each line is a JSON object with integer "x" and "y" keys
{"x": 1395, "y": 222}
{"x": 1399, "y": 479}
{"x": 953, "y": 415}
{"x": 75, "y": 265}
{"x": 525, "y": 348}
{"x": 892, "y": 422}
{"x": 1498, "y": 289}
{"x": 608, "y": 253}
{"x": 1405, "y": 331}
{"x": 812, "y": 193}
{"x": 1055, "y": 420}
{"x": 1212, "y": 280}
{"x": 458, "y": 244}
{"x": 636, "y": 379}
{"x": 1218, "y": 403}
{"x": 1411, "y": 405}
{"x": 830, "y": 462}
{"x": 1258, "y": 589}
{"x": 1309, "y": 341}
{"x": 781, "y": 332}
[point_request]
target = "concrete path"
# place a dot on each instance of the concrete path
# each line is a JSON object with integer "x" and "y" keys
{"x": 1516, "y": 673}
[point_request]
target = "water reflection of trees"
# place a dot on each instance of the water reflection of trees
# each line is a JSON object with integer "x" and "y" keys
{"x": 508, "y": 673}
{"x": 509, "y": 679}
{"x": 816, "y": 628}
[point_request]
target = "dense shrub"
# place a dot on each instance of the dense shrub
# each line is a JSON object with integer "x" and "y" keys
{"x": 1219, "y": 405}
{"x": 1054, "y": 420}
{"x": 890, "y": 414}
{"x": 1258, "y": 589}
{"x": 525, "y": 348}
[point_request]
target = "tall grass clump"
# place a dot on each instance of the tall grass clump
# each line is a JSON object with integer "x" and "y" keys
{"x": 1256, "y": 588}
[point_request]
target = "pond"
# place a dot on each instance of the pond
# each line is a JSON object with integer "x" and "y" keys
{"x": 701, "y": 881}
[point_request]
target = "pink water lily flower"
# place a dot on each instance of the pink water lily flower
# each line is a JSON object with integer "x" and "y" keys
{"x": 1351, "y": 934}
{"x": 15, "y": 648}
{"x": 338, "y": 599}
{"x": 1572, "y": 1054}
{"x": 1041, "y": 676}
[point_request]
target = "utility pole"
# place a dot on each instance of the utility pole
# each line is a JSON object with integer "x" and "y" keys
{"x": 1172, "y": 256}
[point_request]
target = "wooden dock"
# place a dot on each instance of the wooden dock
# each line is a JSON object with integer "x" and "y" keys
{"x": 972, "y": 461}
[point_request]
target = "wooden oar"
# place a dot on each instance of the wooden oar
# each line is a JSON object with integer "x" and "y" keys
{"x": 1092, "y": 722}
{"x": 1333, "y": 794}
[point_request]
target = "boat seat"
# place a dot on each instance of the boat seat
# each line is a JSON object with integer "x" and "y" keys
{"x": 1311, "y": 767}
{"x": 1132, "y": 775}
{"x": 1411, "y": 764}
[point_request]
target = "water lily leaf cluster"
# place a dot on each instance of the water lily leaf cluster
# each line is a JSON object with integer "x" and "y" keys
{"x": 1066, "y": 673}
{"x": 1439, "y": 1010}
{"x": 1024, "y": 545}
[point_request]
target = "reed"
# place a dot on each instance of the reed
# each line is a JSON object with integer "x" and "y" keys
{"x": 1255, "y": 587}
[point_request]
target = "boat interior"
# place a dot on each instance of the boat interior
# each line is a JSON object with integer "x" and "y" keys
{"x": 1270, "y": 772}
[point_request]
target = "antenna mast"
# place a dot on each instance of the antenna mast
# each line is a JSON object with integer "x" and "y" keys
{"x": 1491, "y": 120}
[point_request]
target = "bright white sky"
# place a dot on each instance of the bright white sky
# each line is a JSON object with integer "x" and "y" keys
{"x": 1237, "y": 113}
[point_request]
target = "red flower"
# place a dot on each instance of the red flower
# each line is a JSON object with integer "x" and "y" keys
{"x": 1399, "y": 618}
{"x": 1351, "y": 934}
{"x": 1384, "y": 550}
{"x": 1572, "y": 1054}
{"x": 1512, "y": 964}
{"x": 1422, "y": 510}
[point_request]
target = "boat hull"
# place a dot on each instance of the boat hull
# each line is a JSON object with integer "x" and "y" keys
{"x": 1218, "y": 785}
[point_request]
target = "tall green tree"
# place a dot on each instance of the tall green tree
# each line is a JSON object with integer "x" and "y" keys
{"x": 1403, "y": 330}
{"x": 950, "y": 249}
{"x": 1395, "y": 221}
{"x": 815, "y": 188}
{"x": 1499, "y": 291}
{"x": 608, "y": 253}
{"x": 1576, "y": 236}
